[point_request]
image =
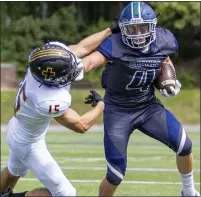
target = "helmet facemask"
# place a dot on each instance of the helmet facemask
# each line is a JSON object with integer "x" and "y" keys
{"x": 138, "y": 33}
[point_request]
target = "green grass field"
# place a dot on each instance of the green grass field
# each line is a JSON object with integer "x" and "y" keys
{"x": 151, "y": 165}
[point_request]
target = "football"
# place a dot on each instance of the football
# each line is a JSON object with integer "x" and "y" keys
{"x": 167, "y": 76}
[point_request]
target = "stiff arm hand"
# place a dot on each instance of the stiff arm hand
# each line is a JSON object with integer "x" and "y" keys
{"x": 90, "y": 43}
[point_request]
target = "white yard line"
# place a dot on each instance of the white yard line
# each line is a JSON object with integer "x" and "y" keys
{"x": 124, "y": 182}
{"x": 4, "y": 159}
{"x": 99, "y": 128}
{"x": 55, "y": 149}
{"x": 97, "y": 159}
{"x": 128, "y": 169}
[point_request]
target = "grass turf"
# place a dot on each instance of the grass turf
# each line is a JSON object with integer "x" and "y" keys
{"x": 185, "y": 106}
{"x": 79, "y": 156}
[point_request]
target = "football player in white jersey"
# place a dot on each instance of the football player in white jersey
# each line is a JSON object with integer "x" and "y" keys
{"x": 44, "y": 95}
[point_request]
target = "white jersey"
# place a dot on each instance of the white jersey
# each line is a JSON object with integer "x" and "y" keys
{"x": 36, "y": 105}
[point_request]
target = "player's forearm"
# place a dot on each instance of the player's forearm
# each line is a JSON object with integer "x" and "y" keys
{"x": 90, "y": 117}
{"x": 90, "y": 44}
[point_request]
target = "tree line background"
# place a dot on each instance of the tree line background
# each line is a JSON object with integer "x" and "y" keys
{"x": 27, "y": 25}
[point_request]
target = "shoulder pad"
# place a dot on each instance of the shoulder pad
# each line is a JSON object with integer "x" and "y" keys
{"x": 119, "y": 49}
{"x": 52, "y": 108}
{"x": 166, "y": 41}
{"x": 53, "y": 102}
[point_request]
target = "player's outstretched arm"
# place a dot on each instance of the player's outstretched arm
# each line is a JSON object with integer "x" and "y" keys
{"x": 80, "y": 124}
{"x": 90, "y": 44}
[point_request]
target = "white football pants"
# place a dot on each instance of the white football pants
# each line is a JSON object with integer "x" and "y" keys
{"x": 36, "y": 157}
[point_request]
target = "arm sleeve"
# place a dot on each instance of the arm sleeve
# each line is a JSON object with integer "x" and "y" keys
{"x": 52, "y": 108}
{"x": 105, "y": 48}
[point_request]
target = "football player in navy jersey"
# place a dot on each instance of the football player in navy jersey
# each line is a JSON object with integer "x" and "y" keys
{"x": 133, "y": 58}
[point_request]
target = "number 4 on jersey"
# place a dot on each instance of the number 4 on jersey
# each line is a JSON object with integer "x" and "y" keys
{"x": 141, "y": 80}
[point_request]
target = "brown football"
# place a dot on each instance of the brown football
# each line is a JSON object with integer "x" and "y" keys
{"x": 167, "y": 76}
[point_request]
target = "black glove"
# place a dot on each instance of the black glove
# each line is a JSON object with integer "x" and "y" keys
{"x": 115, "y": 26}
{"x": 93, "y": 98}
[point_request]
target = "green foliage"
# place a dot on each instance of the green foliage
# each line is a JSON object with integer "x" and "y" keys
{"x": 95, "y": 75}
{"x": 183, "y": 19}
{"x": 24, "y": 27}
{"x": 177, "y": 15}
{"x": 62, "y": 25}
{"x": 27, "y": 33}
{"x": 98, "y": 26}
{"x": 187, "y": 78}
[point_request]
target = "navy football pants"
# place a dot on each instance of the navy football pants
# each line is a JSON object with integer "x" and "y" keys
{"x": 154, "y": 121}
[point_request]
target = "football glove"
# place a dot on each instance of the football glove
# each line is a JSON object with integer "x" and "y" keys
{"x": 115, "y": 26}
{"x": 93, "y": 98}
{"x": 174, "y": 91}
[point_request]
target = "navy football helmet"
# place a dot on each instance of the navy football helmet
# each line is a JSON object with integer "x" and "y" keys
{"x": 53, "y": 64}
{"x": 138, "y": 25}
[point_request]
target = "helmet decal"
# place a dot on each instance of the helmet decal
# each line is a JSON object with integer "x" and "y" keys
{"x": 135, "y": 10}
{"x": 48, "y": 73}
{"x": 42, "y": 52}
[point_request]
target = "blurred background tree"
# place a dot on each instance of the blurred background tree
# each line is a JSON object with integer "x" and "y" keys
{"x": 26, "y": 25}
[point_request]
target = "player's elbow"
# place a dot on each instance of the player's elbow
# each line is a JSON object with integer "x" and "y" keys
{"x": 85, "y": 127}
{"x": 81, "y": 128}
{"x": 88, "y": 67}
{"x": 82, "y": 131}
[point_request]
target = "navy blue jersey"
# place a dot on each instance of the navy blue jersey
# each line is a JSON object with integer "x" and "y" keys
{"x": 128, "y": 77}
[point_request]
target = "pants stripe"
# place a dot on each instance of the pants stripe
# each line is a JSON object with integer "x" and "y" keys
{"x": 115, "y": 171}
{"x": 183, "y": 139}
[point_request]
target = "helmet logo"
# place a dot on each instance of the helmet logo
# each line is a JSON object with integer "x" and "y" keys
{"x": 48, "y": 73}
{"x": 136, "y": 20}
